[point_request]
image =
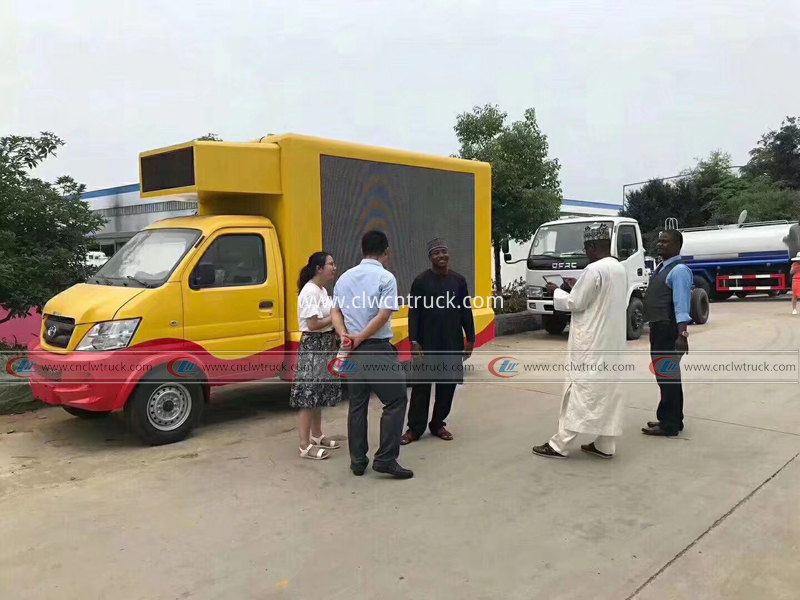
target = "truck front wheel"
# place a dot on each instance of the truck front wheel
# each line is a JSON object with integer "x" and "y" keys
{"x": 554, "y": 324}
{"x": 165, "y": 411}
{"x": 698, "y": 308}
{"x": 635, "y": 324}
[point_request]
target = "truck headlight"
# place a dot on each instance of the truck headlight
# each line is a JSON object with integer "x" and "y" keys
{"x": 535, "y": 291}
{"x": 110, "y": 335}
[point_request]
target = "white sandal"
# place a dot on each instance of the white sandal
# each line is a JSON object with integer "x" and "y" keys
{"x": 317, "y": 454}
{"x": 329, "y": 443}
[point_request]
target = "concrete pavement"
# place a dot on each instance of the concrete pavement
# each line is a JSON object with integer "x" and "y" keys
{"x": 232, "y": 512}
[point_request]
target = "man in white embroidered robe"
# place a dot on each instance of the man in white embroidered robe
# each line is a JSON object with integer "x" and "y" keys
{"x": 592, "y": 401}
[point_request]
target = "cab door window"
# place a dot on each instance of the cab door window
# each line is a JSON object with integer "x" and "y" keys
{"x": 627, "y": 245}
{"x": 231, "y": 260}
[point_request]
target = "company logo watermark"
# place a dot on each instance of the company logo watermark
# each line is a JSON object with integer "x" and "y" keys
{"x": 183, "y": 368}
{"x": 666, "y": 367}
{"x": 483, "y": 366}
{"x": 20, "y": 367}
{"x": 344, "y": 367}
{"x": 504, "y": 366}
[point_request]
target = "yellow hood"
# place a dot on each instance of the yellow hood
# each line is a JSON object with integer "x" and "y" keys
{"x": 87, "y": 303}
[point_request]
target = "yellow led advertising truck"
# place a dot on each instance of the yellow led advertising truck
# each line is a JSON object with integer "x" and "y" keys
{"x": 193, "y": 302}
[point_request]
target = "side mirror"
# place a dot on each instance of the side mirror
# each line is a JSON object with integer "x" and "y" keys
{"x": 504, "y": 247}
{"x": 507, "y": 257}
{"x": 203, "y": 276}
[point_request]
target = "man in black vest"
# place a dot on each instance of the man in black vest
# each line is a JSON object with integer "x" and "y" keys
{"x": 666, "y": 308}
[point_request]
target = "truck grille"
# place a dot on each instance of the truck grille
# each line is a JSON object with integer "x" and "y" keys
{"x": 58, "y": 330}
{"x": 51, "y": 374}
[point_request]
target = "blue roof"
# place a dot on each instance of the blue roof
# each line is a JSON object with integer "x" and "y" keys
{"x": 123, "y": 189}
{"x": 587, "y": 204}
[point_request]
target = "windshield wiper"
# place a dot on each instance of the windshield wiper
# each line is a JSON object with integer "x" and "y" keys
{"x": 139, "y": 281}
{"x": 97, "y": 278}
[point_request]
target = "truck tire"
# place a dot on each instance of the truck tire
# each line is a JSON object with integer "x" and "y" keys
{"x": 86, "y": 414}
{"x": 164, "y": 411}
{"x": 741, "y": 294}
{"x": 635, "y": 319}
{"x": 699, "y": 309}
{"x": 554, "y": 324}
{"x": 702, "y": 283}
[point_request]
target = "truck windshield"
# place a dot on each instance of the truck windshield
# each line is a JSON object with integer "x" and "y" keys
{"x": 561, "y": 240}
{"x": 147, "y": 259}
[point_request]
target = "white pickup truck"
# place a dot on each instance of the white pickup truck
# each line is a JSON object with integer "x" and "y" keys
{"x": 558, "y": 248}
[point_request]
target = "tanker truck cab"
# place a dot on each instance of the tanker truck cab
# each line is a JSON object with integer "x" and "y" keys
{"x": 557, "y": 248}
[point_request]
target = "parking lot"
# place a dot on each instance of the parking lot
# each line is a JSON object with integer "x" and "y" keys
{"x": 233, "y": 512}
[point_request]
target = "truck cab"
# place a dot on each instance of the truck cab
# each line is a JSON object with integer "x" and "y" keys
{"x": 557, "y": 247}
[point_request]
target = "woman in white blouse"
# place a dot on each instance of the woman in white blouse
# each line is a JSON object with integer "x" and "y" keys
{"x": 314, "y": 385}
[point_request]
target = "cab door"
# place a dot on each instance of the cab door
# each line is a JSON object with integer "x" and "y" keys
{"x": 232, "y": 298}
{"x": 630, "y": 252}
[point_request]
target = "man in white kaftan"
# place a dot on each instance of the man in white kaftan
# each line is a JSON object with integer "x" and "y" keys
{"x": 592, "y": 400}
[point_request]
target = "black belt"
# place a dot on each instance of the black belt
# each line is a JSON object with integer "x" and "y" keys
{"x": 376, "y": 341}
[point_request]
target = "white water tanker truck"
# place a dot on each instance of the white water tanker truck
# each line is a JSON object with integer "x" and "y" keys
{"x": 741, "y": 259}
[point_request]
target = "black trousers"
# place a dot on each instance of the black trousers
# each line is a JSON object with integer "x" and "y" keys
{"x": 663, "y": 336}
{"x": 379, "y": 371}
{"x": 420, "y": 404}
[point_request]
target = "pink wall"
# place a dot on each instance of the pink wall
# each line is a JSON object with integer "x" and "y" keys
{"x": 25, "y": 330}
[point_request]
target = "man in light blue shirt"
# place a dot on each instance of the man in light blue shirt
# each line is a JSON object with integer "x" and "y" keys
{"x": 364, "y": 299}
{"x": 680, "y": 281}
{"x": 666, "y": 308}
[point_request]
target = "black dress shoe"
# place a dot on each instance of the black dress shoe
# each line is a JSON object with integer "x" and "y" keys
{"x": 358, "y": 470}
{"x": 657, "y": 431}
{"x": 652, "y": 424}
{"x": 547, "y": 451}
{"x": 394, "y": 469}
{"x": 592, "y": 449}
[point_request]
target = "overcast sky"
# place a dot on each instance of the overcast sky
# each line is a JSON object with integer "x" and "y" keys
{"x": 624, "y": 90}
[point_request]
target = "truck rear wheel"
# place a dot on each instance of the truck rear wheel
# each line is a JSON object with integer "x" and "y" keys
{"x": 554, "y": 324}
{"x": 741, "y": 294}
{"x": 635, "y": 320}
{"x": 702, "y": 283}
{"x": 86, "y": 414}
{"x": 699, "y": 309}
{"x": 164, "y": 411}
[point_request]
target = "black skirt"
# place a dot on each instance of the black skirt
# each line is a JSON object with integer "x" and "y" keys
{"x": 314, "y": 385}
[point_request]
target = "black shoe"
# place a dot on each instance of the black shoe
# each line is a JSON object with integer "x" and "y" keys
{"x": 591, "y": 449}
{"x": 651, "y": 424}
{"x": 394, "y": 469}
{"x": 358, "y": 470}
{"x": 547, "y": 451}
{"x": 657, "y": 431}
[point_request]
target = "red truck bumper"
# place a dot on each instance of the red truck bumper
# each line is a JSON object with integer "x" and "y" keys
{"x": 91, "y": 381}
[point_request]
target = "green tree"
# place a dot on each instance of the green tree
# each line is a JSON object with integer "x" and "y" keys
{"x": 526, "y": 190}
{"x": 209, "y": 137}
{"x": 777, "y": 155}
{"x": 43, "y": 227}
{"x": 691, "y": 199}
{"x": 764, "y": 200}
